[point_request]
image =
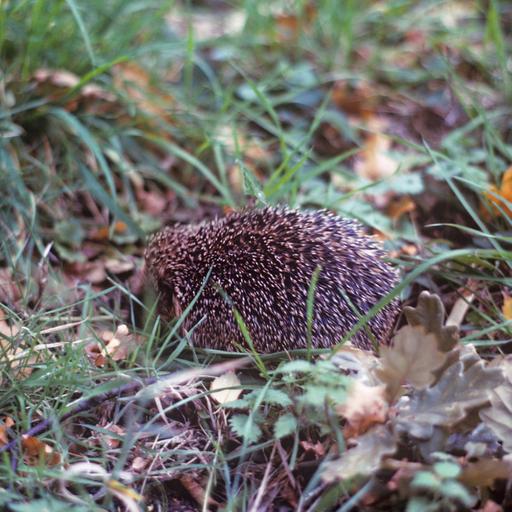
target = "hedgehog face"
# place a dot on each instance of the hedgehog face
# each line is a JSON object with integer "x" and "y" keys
{"x": 166, "y": 262}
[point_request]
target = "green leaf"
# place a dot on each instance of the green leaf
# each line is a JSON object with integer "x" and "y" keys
{"x": 298, "y": 366}
{"x": 315, "y": 395}
{"x": 271, "y": 396}
{"x": 426, "y": 480}
{"x": 69, "y": 232}
{"x": 418, "y": 504}
{"x": 403, "y": 183}
{"x": 241, "y": 403}
{"x": 70, "y": 255}
{"x": 245, "y": 427}
{"x": 285, "y": 425}
{"x": 46, "y": 505}
{"x": 447, "y": 469}
{"x": 455, "y": 490}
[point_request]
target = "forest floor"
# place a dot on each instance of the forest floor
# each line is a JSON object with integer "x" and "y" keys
{"x": 119, "y": 117}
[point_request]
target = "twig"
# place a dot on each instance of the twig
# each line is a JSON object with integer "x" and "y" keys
{"x": 263, "y": 485}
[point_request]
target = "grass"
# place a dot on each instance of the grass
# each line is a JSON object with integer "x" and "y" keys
{"x": 161, "y": 121}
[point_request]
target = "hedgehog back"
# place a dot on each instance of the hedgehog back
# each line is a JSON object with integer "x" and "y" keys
{"x": 262, "y": 262}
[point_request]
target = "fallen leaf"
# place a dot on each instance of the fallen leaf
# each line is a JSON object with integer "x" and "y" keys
{"x": 290, "y": 25}
{"x": 57, "y": 83}
{"x": 228, "y": 380}
{"x": 507, "y": 307}
{"x": 89, "y": 271}
{"x": 374, "y": 162}
{"x": 359, "y": 364}
{"x": 118, "y": 346}
{"x": 58, "y": 77}
{"x": 10, "y": 291}
{"x": 484, "y": 472}
{"x": 106, "y": 336}
{"x": 139, "y": 463}
{"x": 126, "y": 494}
{"x": 102, "y": 233}
{"x": 153, "y": 202}
{"x": 111, "y": 441}
{"x": 412, "y": 359}
{"x": 6, "y": 329}
{"x": 115, "y": 266}
{"x": 236, "y": 178}
{"x": 409, "y": 249}
{"x": 35, "y": 452}
{"x": 363, "y": 459}
{"x": 399, "y": 207}
{"x": 90, "y": 470}
{"x": 453, "y": 14}
{"x": 206, "y": 24}
{"x": 404, "y": 472}
{"x": 430, "y": 313}
{"x": 12, "y": 356}
{"x": 318, "y": 449}
{"x": 7, "y": 423}
{"x": 498, "y": 417}
{"x": 364, "y": 407}
{"x": 355, "y": 98}
{"x": 498, "y": 197}
{"x": 122, "y": 344}
{"x": 458, "y": 390}
{"x": 490, "y": 506}
{"x": 196, "y": 489}
{"x": 135, "y": 82}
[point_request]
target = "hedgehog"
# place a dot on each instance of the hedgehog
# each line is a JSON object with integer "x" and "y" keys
{"x": 261, "y": 262}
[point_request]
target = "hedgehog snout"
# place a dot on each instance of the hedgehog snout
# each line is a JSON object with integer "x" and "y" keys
{"x": 168, "y": 305}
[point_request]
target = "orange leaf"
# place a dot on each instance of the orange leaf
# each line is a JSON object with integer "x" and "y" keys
{"x": 400, "y": 207}
{"x": 290, "y": 25}
{"x": 365, "y": 406}
{"x": 135, "y": 82}
{"x": 8, "y": 422}
{"x": 36, "y": 452}
{"x": 111, "y": 441}
{"x": 507, "y": 308}
{"x": 494, "y": 195}
{"x": 355, "y": 98}
{"x": 120, "y": 227}
{"x": 103, "y": 232}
